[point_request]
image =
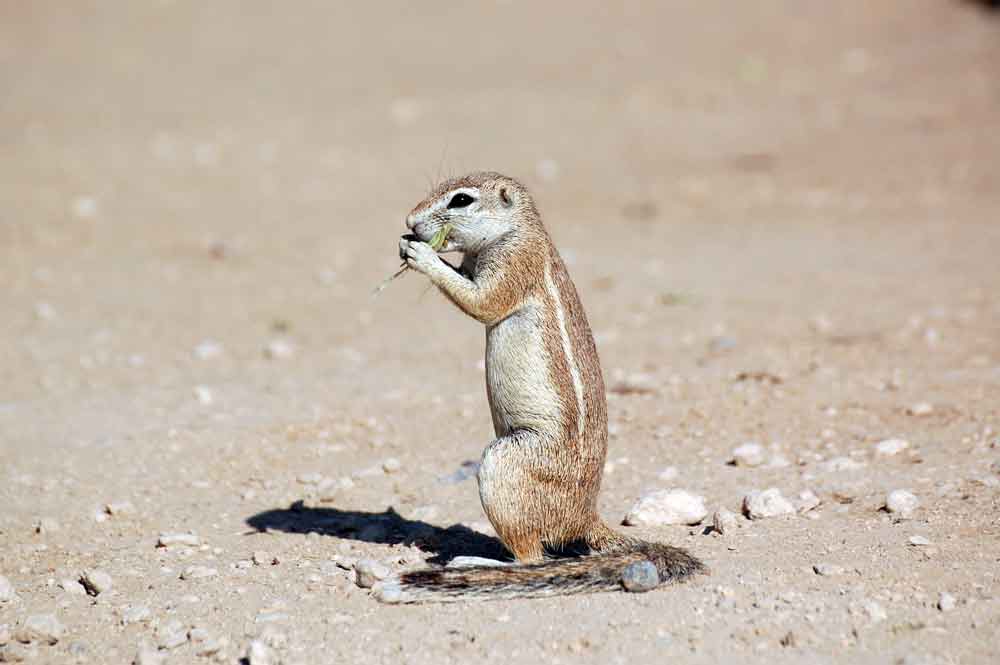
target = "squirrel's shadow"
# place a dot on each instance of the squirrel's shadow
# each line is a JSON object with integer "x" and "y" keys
{"x": 387, "y": 527}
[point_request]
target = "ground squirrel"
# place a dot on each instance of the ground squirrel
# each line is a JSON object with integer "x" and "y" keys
{"x": 539, "y": 479}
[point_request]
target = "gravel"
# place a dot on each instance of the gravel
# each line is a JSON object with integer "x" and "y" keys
{"x": 749, "y": 454}
{"x": 640, "y": 576}
{"x": 41, "y": 628}
{"x": 901, "y": 502}
{"x": 198, "y": 573}
{"x": 662, "y": 507}
{"x": 96, "y": 582}
{"x": 724, "y": 521}
{"x": 368, "y": 572}
{"x": 768, "y": 503}
{"x": 946, "y": 602}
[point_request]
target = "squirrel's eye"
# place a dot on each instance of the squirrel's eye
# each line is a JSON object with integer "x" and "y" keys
{"x": 460, "y": 200}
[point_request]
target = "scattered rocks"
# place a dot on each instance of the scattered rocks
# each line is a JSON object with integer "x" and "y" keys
{"x": 262, "y": 558}
{"x": 39, "y": 628}
{"x": 7, "y": 592}
{"x": 640, "y": 576}
{"x": 768, "y": 503}
{"x": 946, "y": 602}
{"x": 724, "y": 521}
{"x": 891, "y": 447}
{"x": 368, "y": 572}
{"x": 198, "y": 573}
{"x": 178, "y": 539}
{"x": 750, "y": 454}
{"x": 828, "y": 569}
{"x": 673, "y": 506}
{"x": 901, "y": 502}
{"x": 96, "y": 582}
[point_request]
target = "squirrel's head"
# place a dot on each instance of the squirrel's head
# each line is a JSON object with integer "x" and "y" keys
{"x": 480, "y": 209}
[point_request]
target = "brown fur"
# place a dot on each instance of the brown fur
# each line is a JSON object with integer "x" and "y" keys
{"x": 540, "y": 478}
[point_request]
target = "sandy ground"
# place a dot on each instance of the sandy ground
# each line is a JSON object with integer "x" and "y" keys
{"x": 782, "y": 217}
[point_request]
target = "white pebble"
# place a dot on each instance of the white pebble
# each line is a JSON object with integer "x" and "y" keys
{"x": 6, "y": 590}
{"x": 769, "y": 503}
{"x": 147, "y": 654}
{"x": 135, "y": 614}
{"x": 921, "y": 409}
{"x": 171, "y": 635}
{"x": 41, "y": 628}
{"x": 807, "y": 501}
{"x": 946, "y": 602}
{"x": 72, "y": 587}
{"x": 828, "y": 569}
{"x": 208, "y": 349}
{"x": 258, "y": 653}
{"x": 278, "y": 349}
{"x": 919, "y": 541}
{"x": 875, "y": 611}
{"x": 85, "y": 207}
{"x": 673, "y": 506}
{"x": 391, "y": 465}
{"x": 724, "y": 521}
{"x": 96, "y": 582}
{"x": 368, "y": 572}
{"x": 172, "y": 539}
{"x": 312, "y": 478}
{"x": 901, "y": 502}
{"x": 750, "y": 454}
{"x": 119, "y": 508}
{"x": 198, "y": 573}
{"x": 204, "y": 395}
{"x": 891, "y": 447}
{"x": 841, "y": 464}
{"x": 262, "y": 558}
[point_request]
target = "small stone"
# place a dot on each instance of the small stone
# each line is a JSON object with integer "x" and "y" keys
{"x": 640, "y": 576}
{"x": 148, "y": 655}
{"x": 262, "y": 558}
{"x": 208, "y": 349}
{"x": 724, "y": 521}
{"x": 919, "y": 541}
{"x": 890, "y": 447}
{"x": 807, "y": 501}
{"x": 7, "y": 593}
{"x": 171, "y": 635}
{"x": 135, "y": 614}
{"x": 946, "y": 602}
{"x": 920, "y": 409}
{"x": 769, "y": 503}
{"x": 204, "y": 395}
{"x": 198, "y": 573}
{"x": 46, "y": 525}
{"x": 311, "y": 478}
{"x": 750, "y": 454}
{"x": 828, "y": 569}
{"x": 673, "y": 506}
{"x": 841, "y": 464}
{"x": 278, "y": 349}
{"x": 41, "y": 628}
{"x": 368, "y": 572}
{"x": 466, "y": 561}
{"x": 391, "y": 465}
{"x": 174, "y": 539}
{"x": 95, "y": 582}
{"x": 901, "y": 502}
{"x": 72, "y": 587}
{"x": 119, "y": 508}
{"x": 258, "y": 653}
{"x": 876, "y": 613}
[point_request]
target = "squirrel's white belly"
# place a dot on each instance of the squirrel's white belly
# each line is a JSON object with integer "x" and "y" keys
{"x": 521, "y": 391}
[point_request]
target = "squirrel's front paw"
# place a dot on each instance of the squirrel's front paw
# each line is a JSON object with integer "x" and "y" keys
{"x": 418, "y": 255}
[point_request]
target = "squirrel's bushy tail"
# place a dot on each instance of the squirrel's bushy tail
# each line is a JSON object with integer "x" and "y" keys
{"x": 594, "y": 572}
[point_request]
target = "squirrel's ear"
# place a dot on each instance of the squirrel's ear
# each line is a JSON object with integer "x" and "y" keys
{"x": 505, "y": 199}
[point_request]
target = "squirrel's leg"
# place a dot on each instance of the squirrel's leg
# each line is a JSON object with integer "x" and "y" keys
{"x": 507, "y": 489}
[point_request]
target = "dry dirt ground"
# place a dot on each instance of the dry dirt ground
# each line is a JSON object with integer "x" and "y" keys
{"x": 783, "y": 218}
